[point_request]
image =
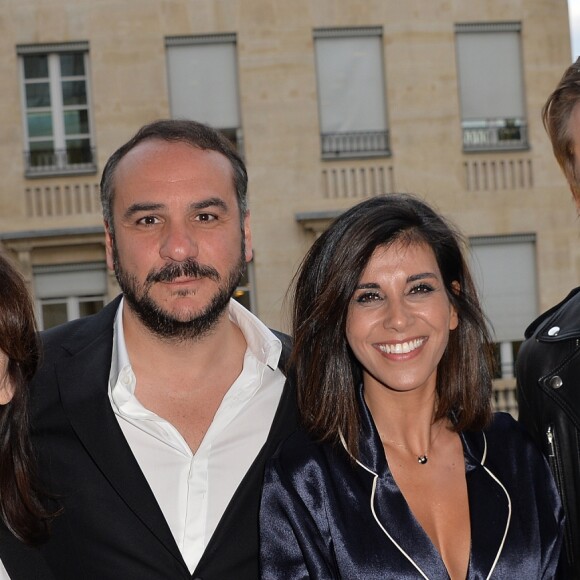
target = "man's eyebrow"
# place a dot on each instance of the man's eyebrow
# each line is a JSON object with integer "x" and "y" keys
{"x": 210, "y": 202}
{"x": 145, "y": 207}
{"x": 141, "y": 207}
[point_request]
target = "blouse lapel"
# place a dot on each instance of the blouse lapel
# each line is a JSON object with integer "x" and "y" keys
{"x": 489, "y": 505}
{"x": 391, "y": 510}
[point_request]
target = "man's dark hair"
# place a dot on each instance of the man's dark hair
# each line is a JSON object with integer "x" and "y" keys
{"x": 173, "y": 130}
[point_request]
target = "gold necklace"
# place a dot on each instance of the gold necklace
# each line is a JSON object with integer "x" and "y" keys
{"x": 423, "y": 458}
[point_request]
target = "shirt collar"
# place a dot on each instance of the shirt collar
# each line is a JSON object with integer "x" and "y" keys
{"x": 260, "y": 340}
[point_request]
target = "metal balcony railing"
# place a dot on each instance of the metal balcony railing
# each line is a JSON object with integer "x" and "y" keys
{"x": 495, "y": 134}
{"x": 60, "y": 161}
{"x": 355, "y": 144}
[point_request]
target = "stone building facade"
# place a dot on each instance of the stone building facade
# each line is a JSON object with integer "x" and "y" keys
{"x": 330, "y": 101}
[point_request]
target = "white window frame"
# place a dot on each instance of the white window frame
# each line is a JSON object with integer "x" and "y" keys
{"x": 73, "y": 303}
{"x": 92, "y": 286}
{"x": 503, "y": 133}
{"x": 507, "y": 346}
{"x": 58, "y": 164}
{"x": 354, "y": 143}
{"x": 234, "y": 133}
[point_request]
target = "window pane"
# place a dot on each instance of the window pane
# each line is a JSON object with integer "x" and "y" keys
{"x": 42, "y": 147}
{"x": 87, "y": 280}
{"x": 74, "y": 93}
{"x": 76, "y": 122}
{"x": 78, "y": 151}
{"x": 72, "y": 64}
{"x": 490, "y": 75}
{"x": 89, "y": 307}
{"x": 509, "y": 301}
{"x": 53, "y": 314}
{"x": 351, "y": 84}
{"x": 39, "y": 124}
{"x": 41, "y": 154}
{"x": 203, "y": 83}
{"x": 36, "y": 66}
{"x": 37, "y": 95}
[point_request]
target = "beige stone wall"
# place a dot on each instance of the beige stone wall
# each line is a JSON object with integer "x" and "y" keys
{"x": 485, "y": 194}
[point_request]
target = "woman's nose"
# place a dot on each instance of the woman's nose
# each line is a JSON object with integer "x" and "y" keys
{"x": 397, "y": 315}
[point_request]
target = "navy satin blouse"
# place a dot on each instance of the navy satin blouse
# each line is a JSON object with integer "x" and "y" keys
{"x": 324, "y": 517}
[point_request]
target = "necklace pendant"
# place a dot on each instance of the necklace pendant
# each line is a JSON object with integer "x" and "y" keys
{"x": 422, "y": 459}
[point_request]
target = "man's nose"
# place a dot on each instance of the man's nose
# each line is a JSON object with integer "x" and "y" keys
{"x": 178, "y": 243}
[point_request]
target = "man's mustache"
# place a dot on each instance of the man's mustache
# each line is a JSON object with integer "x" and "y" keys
{"x": 187, "y": 269}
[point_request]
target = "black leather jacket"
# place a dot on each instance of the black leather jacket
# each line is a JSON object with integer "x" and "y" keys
{"x": 548, "y": 381}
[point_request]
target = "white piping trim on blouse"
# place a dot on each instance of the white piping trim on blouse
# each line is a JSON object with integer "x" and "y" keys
{"x": 375, "y": 478}
{"x": 509, "y": 507}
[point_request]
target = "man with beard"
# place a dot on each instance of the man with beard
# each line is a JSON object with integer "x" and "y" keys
{"x": 153, "y": 419}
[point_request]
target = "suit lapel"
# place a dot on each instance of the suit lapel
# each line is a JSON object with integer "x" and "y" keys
{"x": 244, "y": 505}
{"x": 83, "y": 380}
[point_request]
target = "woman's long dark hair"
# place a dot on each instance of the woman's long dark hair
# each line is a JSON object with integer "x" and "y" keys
{"x": 323, "y": 365}
{"x": 20, "y": 507}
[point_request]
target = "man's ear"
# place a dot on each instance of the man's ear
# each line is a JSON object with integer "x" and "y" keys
{"x": 109, "y": 247}
{"x": 247, "y": 233}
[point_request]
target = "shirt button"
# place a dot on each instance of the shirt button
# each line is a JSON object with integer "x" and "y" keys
{"x": 554, "y": 331}
{"x": 556, "y": 382}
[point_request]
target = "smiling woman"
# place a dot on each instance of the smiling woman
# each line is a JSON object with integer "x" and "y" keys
{"x": 400, "y": 313}
{"x": 401, "y": 468}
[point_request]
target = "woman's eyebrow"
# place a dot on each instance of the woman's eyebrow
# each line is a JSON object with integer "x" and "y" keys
{"x": 421, "y": 276}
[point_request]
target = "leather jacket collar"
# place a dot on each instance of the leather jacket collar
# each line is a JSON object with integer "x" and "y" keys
{"x": 561, "y": 322}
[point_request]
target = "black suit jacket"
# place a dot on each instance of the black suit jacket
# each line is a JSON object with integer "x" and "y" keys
{"x": 21, "y": 561}
{"x": 111, "y": 526}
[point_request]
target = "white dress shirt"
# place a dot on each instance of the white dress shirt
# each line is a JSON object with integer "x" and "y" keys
{"x": 3, "y": 572}
{"x": 193, "y": 490}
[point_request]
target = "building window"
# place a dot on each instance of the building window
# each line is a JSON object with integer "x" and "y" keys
{"x": 351, "y": 92}
{"x": 68, "y": 291}
{"x": 491, "y": 88}
{"x": 504, "y": 268}
{"x": 203, "y": 82}
{"x": 57, "y": 113}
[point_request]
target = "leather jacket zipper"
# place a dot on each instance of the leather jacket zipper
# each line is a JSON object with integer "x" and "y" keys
{"x": 554, "y": 460}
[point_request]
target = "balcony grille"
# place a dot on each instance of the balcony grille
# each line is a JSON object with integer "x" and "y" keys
{"x": 355, "y": 144}
{"x": 59, "y": 162}
{"x": 495, "y": 135}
